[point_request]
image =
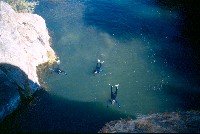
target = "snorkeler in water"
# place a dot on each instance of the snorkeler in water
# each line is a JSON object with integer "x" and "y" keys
{"x": 98, "y": 67}
{"x": 113, "y": 96}
{"x": 57, "y": 69}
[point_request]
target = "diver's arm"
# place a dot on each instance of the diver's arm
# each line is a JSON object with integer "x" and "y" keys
{"x": 116, "y": 91}
{"x": 111, "y": 90}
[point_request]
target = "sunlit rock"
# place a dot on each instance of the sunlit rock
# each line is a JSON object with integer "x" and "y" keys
{"x": 24, "y": 43}
{"x": 24, "y": 40}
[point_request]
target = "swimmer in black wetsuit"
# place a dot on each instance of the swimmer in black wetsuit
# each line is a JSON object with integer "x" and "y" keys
{"x": 113, "y": 96}
{"x": 57, "y": 69}
{"x": 98, "y": 67}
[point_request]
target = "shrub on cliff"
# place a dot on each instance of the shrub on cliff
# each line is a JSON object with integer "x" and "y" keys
{"x": 23, "y": 6}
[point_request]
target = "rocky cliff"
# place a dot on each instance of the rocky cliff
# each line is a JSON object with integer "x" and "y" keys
{"x": 24, "y": 44}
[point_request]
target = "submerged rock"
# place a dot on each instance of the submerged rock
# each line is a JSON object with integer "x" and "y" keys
{"x": 175, "y": 122}
{"x": 24, "y": 44}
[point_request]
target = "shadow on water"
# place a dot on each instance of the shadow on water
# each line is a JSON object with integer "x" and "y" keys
{"x": 190, "y": 26}
{"x": 111, "y": 18}
{"x": 49, "y": 113}
{"x": 190, "y": 11}
{"x": 190, "y": 99}
{"x": 125, "y": 21}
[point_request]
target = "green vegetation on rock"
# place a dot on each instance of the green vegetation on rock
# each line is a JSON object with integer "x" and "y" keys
{"x": 22, "y": 6}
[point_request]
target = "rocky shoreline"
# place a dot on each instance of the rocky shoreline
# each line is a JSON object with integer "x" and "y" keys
{"x": 175, "y": 122}
{"x": 24, "y": 45}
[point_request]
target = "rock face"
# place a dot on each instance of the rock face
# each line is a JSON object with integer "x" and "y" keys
{"x": 24, "y": 44}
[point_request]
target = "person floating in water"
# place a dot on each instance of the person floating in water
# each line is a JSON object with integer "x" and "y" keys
{"x": 98, "y": 67}
{"x": 113, "y": 96}
{"x": 57, "y": 69}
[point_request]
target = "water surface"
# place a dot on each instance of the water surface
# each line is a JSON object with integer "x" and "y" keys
{"x": 140, "y": 43}
{"x": 143, "y": 50}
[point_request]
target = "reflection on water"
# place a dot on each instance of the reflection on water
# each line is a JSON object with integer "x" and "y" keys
{"x": 140, "y": 44}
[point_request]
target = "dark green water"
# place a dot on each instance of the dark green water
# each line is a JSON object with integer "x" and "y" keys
{"x": 137, "y": 41}
{"x": 143, "y": 51}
